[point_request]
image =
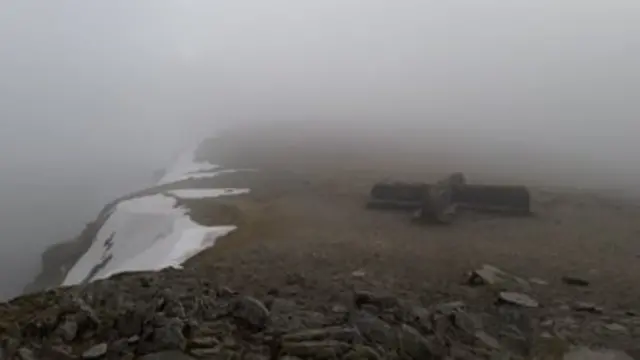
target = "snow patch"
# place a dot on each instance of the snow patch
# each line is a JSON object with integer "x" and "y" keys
{"x": 185, "y": 167}
{"x": 206, "y": 193}
{"x": 147, "y": 233}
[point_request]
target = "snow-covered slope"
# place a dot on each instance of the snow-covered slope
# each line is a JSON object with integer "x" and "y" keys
{"x": 151, "y": 232}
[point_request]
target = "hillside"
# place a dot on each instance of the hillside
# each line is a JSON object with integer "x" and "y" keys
{"x": 306, "y": 271}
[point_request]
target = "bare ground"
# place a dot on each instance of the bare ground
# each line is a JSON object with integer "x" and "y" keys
{"x": 304, "y": 230}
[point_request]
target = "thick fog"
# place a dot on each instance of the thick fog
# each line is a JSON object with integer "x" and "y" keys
{"x": 94, "y": 96}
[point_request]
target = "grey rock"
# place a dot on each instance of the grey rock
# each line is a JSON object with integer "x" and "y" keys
{"x": 615, "y": 327}
{"x": 381, "y": 301}
{"x": 68, "y": 329}
{"x": 450, "y": 307}
{"x": 375, "y": 329}
{"x": 340, "y": 309}
{"x": 487, "y": 340}
{"x": 170, "y": 336}
{"x": 10, "y": 346}
{"x": 58, "y": 352}
{"x": 361, "y": 352}
{"x": 204, "y": 342}
{"x": 226, "y": 292}
{"x": 493, "y": 276}
{"x": 486, "y": 275}
{"x": 575, "y": 281}
{"x": 585, "y": 353}
{"x": 538, "y": 281}
{"x": 95, "y": 352}
{"x": 26, "y": 354}
{"x": 414, "y": 344}
{"x": 329, "y": 349}
{"x": 252, "y": 312}
{"x": 167, "y": 355}
{"x": 83, "y": 314}
{"x": 206, "y": 352}
{"x": 587, "y": 307}
{"x": 286, "y": 316}
{"x": 466, "y": 322}
{"x": 518, "y": 299}
{"x": 349, "y": 335}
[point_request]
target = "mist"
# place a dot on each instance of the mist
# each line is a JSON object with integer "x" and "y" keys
{"x": 95, "y": 96}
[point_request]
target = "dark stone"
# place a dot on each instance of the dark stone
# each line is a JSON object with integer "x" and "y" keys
{"x": 349, "y": 335}
{"x": 587, "y": 307}
{"x": 374, "y": 329}
{"x": 167, "y": 355}
{"x": 381, "y": 301}
{"x": 575, "y": 281}
{"x": 286, "y": 316}
{"x": 203, "y": 342}
{"x": 329, "y": 349}
{"x": 58, "y": 352}
{"x": 518, "y": 299}
{"x": 169, "y": 336}
{"x": 361, "y": 352}
{"x": 414, "y": 344}
{"x": 251, "y": 312}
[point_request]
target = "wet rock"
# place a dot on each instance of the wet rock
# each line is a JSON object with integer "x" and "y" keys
{"x": 167, "y": 355}
{"x": 252, "y": 312}
{"x": 517, "y": 299}
{"x": 349, "y": 335}
{"x": 587, "y": 307}
{"x": 95, "y": 352}
{"x": 374, "y": 329}
{"x": 329, "y": 349}
{"x": 575, "y": 281}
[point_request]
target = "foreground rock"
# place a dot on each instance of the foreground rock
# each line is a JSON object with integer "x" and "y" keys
{"x": 173, "y": 315}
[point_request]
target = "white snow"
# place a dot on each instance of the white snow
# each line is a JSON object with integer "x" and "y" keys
{"x": 206, "y": 193}
{"x": 185, "y": 167}
{"x": 150, "y": 233}
{"x": 146, "y": 233}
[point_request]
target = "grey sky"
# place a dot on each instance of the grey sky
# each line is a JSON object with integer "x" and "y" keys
{"x": 93, "y": 91}
{"x": 81, "y": 73}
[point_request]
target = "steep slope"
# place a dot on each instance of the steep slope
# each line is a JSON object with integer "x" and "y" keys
{"x": 146, "y": 230}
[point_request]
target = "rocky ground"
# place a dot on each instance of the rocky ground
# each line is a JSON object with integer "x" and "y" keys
{"x": 311, "y": 273}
